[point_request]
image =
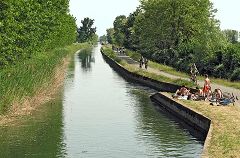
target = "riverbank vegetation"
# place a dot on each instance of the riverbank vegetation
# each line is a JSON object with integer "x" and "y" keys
{"x": 178, "y": 34}
{"x": 25, "y": 78}
{"x": 33, "y": 26}
{"x": 170, "y": 70}
{"x": 35, "y": 38}
{"x": 110, "y": 53}
{"x": 223, "y": 139}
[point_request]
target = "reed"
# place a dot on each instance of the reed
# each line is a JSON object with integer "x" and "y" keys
{"x": 26, "y": 77}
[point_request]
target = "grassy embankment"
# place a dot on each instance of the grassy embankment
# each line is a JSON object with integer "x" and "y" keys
{"x": 25, "y": 78}
{"x": 224, "y": 139}
{"x": 108, "y": 51}
{"x": 172, "y": 71}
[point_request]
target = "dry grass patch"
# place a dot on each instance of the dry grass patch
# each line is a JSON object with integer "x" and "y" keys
{"x": 47, "y": 92}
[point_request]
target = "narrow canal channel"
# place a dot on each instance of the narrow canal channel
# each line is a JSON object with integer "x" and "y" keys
{"x": 99, "y": 115}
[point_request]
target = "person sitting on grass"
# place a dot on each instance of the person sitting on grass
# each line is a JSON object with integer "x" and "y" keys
{"x": 218, "y": 94}
{"x": 181, "y": 93}
{"x": 198, "y": 95}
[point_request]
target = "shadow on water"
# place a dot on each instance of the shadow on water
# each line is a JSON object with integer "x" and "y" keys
{"x": 86, "y": 58}
{"x": 39, "y": 135}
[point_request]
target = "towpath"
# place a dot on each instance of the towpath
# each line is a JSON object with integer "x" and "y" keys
{"x": 225, "y": 89}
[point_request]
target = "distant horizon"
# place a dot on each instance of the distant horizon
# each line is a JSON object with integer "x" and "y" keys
{"x": 104, "y": 15}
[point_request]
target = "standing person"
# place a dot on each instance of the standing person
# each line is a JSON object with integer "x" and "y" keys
{"x": 146, "y": 63}
{"x": 194, "y": 72}
{"x": 206, "y": 87}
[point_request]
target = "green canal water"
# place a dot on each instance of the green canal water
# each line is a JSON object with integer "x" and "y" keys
{"x": 98, "y": 115}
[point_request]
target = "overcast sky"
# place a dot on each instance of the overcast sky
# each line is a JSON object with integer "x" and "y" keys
{"x": 105, "y": 11}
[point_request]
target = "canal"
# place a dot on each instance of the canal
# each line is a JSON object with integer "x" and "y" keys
{"x": 98, "y": 115}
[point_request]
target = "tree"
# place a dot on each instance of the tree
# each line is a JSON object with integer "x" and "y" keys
{"x": 119, "y": 29}
{"x": 103, "y": 39}
{"x": 86, "y": 32}
{"x": 110, "y": 36}
{"x": 130, "y": 34}
{"x": 33, "y": 26}
{"x": 231, "y": 35}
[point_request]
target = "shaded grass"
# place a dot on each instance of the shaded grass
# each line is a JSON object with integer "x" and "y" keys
{"x": 225, "y": 140}
{"x": 26, "y": 77}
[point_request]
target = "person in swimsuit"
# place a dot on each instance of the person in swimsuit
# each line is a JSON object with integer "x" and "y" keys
{"x": 206, "y": 87}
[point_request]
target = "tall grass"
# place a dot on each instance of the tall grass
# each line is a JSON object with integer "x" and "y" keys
{"x": 26, "y": 77}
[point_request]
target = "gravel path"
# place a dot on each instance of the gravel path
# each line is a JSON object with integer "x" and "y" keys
{"x": 225, "y": 90}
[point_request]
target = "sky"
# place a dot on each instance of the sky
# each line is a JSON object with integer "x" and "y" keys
{"x": 105, "y": 11}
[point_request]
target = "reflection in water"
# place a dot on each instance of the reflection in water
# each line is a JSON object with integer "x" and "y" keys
{"x": 38, "y": 136}
{"x": 86, "y": 59}
{"x": 105, "y": 116}
{"x": 100, "y": 115}
{"x": 159, "y": 132}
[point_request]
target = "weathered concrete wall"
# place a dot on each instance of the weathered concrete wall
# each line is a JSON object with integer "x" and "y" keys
{"x": 157, "y": 85}
{"x": 189, "y": 116}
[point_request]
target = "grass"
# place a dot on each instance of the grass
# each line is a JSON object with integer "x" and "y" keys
{"x": 26, "y": 77}
{"x": 225, "y": 141}
{"x": 108, "y": 51}
{"x": 136, "y": 56}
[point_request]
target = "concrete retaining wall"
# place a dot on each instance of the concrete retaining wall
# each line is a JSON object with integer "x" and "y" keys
{"x": 190, "y": 117}
{"x": 157, "y": 85}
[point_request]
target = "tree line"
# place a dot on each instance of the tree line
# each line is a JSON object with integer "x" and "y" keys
{"x": 33, "y": 26}
{"x": 179, "y": 33}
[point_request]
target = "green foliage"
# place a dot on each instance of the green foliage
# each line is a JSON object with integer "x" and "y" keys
{"x": 110, "y": 36}
{"x": 24, "y": 78}
{"x": 119, "y": 29}
{"x": 231, "y": 35}
{"x": 110, "y": 53}
{"x": 103, "y": 39}
{"x": 178, "y": 33}
{"x": 33, "y": 26}
{"x": 86, "y": 32}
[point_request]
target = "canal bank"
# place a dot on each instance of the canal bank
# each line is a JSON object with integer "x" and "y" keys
{"x": 220, "y": 141}
{"x": 33, "y": 82}
{"x": 121, "y": 120}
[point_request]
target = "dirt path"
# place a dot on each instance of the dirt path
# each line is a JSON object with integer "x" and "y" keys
{"x": 234, "y": 91}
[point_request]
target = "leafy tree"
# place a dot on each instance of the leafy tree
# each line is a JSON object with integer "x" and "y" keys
{"x": 231, "y": 35}
{"x": 130, "y": 34}
{"x": 103, "y": 39}
{"x": 119, "y": 29}
{"x": 110, "y": 36}
{"x": 27, "y": 27}
{"x": 86, "y": 32}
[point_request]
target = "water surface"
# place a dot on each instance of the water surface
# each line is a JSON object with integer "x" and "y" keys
{"x": 99, "y": 115}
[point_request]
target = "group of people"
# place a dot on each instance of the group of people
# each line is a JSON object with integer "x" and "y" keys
{"x": 143, "y": 61}
{"x": 204, "y": 94}
{"x": 120, "y": 50}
